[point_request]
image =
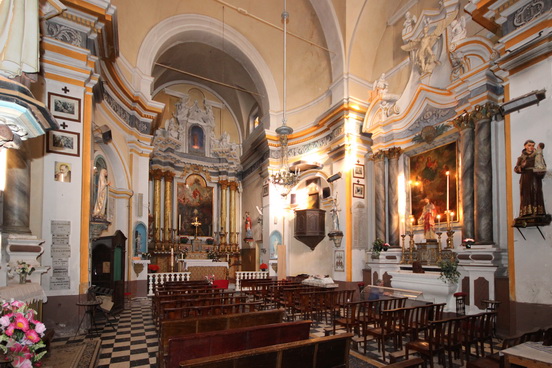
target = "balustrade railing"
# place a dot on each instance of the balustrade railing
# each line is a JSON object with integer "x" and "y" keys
{"x": 249, "y": 275}
{"x": 156, "y": 279}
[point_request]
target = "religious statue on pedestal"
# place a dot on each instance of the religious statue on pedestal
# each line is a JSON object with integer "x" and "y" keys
{"x": 532, "y": 168}
{"x": 248, "y": 232}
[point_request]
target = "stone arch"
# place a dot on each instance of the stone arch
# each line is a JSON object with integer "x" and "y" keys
{"x": 200, "y": 28}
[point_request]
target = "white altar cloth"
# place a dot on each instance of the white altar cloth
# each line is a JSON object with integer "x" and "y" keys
{"x": 201, "y": 263}
{"x": 28, "y": 293}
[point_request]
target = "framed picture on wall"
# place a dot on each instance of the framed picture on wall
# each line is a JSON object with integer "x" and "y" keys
{"x": 64, "y": 107}
{"x": 339, "y": 260}
{"x": 358, "y": 190}
{"x": 358, "y": 171}
{"x": 63, "y": 142}
{"x": 265, "y": 190}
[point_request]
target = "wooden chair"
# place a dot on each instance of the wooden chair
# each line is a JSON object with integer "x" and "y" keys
{"x": 452, "y": 340}
{"x": 348, "y": 321}
{"x": 386, "y": 328}
{"x": 433, "y": 344}
{"x": 485, "y": 332}
{"x": 470, "y": 325}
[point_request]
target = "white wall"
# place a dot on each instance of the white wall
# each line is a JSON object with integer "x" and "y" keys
{"x": 533, "y": 256}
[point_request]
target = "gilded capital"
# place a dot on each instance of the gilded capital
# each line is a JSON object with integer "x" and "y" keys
{"x": 485, "y": 111}
{"x": 393, "y": 153}
{"x": 223, "y": 184}
{"x": 464, "y": 121}
{"x": 169, "y": 176}
{"x": 378, "y": 156}
{"x": 233, "y": 185}
{"x": 156, "y": 174}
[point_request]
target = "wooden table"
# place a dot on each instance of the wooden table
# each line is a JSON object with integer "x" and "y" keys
{"x": 528, "y": 354}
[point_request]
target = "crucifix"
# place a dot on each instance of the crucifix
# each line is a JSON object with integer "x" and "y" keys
{"x": 197, "y": 224}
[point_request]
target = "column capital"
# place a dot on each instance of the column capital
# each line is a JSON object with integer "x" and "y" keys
{"x": 378, "y": 156}
{"x": 223, "y": 184}
{"x": 233, "y": 185}
{"x": 393, "y": 153}
{"x": 169, "y": 176}
{"x": 485, "y": 111}
{"x": 156, "y": 174}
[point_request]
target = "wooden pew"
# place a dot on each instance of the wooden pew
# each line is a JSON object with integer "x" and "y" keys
{"x": 173, "y": 328}
{"x": 227, "y": 341}
{"x": 320, "y": 352}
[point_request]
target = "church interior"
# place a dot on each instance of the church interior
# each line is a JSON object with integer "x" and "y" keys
{"x": 405, "y": 141}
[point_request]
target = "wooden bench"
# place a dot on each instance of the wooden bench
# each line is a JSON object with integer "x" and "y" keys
{"x": 227, "y": 341}
{"x": 320, "y": 352}
{"x": 182, "y": 327}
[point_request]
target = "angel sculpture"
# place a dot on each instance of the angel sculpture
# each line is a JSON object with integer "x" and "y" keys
{"x": 421, "y": 49}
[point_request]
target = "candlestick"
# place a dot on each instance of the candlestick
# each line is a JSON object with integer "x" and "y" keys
{"x": 438, "y": 222}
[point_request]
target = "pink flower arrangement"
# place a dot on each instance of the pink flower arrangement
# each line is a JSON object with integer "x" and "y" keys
{"x": 21, "y": 339}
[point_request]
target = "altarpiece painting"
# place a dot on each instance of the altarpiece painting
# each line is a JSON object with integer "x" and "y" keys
{"x": 428, "y": 179}
{"x": 195, "y": 207}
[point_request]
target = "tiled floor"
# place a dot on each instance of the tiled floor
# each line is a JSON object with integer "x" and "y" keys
{"x": 134, "y": 343}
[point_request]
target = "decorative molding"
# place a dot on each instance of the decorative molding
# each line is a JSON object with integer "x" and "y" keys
{"x": 65, "y": 34}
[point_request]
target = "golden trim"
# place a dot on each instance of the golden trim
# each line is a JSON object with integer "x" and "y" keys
{"x": 86, "y": 161}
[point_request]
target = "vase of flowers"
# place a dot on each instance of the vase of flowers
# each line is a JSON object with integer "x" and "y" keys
{"x": 23, "y": 269}
{"x": 468, "y": 242}
{"x": 21, "y": 338}
{"x": 379, "y": 246}
{"x": 263, "y": 267}
{"x": 153, "y": 268}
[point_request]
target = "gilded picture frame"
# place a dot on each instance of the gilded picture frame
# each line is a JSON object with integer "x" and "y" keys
{"x": 428, "y": 179}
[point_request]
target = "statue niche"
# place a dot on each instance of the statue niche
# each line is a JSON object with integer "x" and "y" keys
{"x": 196, "y": 140}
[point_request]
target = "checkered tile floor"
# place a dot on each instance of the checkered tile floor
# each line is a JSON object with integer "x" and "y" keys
{"x": 134, "y": 343}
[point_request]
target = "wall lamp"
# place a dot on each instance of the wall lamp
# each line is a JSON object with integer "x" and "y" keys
{"x": 521, "y": 102}
{"x": 336, "y": 237}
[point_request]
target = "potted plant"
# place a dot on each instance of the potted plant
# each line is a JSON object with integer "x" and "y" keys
{"x": 449, "y": 271}
{"x": 209, "y": 241}
{"x": 468, "y": 242}
{"x": 378, "y": 246}
{"x": 184, "y": 240}
{"x": 263, "y": 267}
{"x": 153, "y": 268}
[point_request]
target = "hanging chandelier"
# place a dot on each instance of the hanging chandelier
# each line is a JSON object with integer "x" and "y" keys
{"x": 284, "y": 179}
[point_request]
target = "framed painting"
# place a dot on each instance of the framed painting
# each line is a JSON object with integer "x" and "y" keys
{"x": 429, "y": 180}
{"x": 194, "y": 207}
{"x": 265, "y": 190}
{"x": 63, "y": 142}
{"x": 358, "y": 190}
{"x": 339, "y": 260}
{"x": 358, "y": 171}
{"x": 64, "y": 107}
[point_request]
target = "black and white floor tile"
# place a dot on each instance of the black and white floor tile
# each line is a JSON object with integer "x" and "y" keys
{"x": 133, "y": 342}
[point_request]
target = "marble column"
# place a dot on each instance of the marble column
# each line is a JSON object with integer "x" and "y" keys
{"x": 233, "y": 215}
{"x": 483, "y": 186}
{"x": 466, "y": 126}
{"x": 223, "y": 210}
{"x": 379, "y": 187}
{"x": 168, "y": 207}
{"x": 17, "y": 193}
{"x": 156, "y": 175}
{"x": 393, "y": 195}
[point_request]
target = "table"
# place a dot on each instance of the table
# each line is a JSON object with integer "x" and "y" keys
{"x": 528, "y": 354}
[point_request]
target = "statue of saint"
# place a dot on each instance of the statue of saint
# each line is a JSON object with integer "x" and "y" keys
{"x": 101, "y": 197}
{"x": 248, "y": 232}
{"x": 530, "y": 182}
{"x": 427, "y": 218}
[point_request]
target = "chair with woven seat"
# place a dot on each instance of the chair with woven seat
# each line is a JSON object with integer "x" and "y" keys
{"x": 348, "y": 320}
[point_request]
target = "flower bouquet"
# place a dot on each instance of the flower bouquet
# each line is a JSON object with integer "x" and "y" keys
{"x": 378, "y": 246}
{"x": 153, "y": 268}
{"x": 21, "y": 339}
{"x": 23, "y": 269}
{"x": 263, "y": 267}
{"x": 468, "y": 242}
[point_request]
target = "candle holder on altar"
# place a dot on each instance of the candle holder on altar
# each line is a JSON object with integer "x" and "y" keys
{"x": 439, "y": 246}
{"x": 411, "y": 246}
{"x": 450, "y": 239}
{"x": 403, "y": 257}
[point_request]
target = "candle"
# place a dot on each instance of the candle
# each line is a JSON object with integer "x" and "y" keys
{"x": 448, "y": 194}
{"x": 439, "y": 223}
{"x": 179, "y": 222}
{"x": 411, "y": 222}
{"x": 172, "y": 259}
